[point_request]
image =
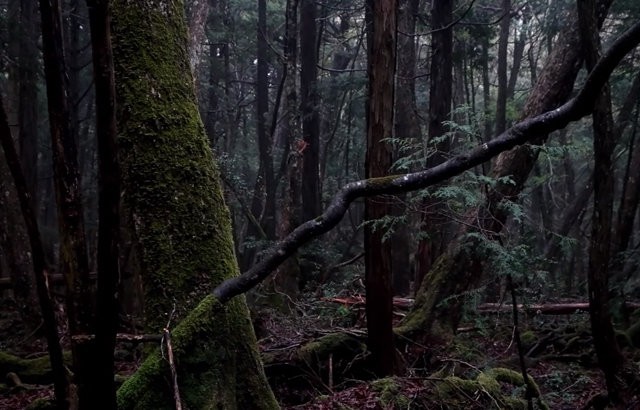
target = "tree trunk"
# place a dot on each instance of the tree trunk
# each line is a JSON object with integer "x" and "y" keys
{"x": 381, "y": 22}
{"x": 311, "y": 197}
{"x": 503, "y": 44}
{"x": 438, "y": 146}
{"x": 267, "y": 220}
{"x": 41, "y": 271}
{"x": 604, "y": 140}
{"x": 74, "y": 261}
{"x": 460, "y": 268}
{"x": 406, "y": 127}
{"x": 197, "y": 12}
{"x": 180, "y": 220}
{"x": 103, "y": 388}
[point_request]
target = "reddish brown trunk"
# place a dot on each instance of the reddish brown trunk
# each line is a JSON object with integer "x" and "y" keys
{"x": 381, "y": 20}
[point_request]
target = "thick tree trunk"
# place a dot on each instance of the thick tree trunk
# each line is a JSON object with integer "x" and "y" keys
{"x": 381, "y": 21}
{"x": 180, "y": 220}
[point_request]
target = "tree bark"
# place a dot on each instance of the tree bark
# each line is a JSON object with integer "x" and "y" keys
{"x": 604, "y": 338}
{"x": 406, "y": 127}
{"x": 107, "y": 308}
{"x": 381, "y": 21}
{"x": 311, "y": 196}
{"x": 180, "y": 220}
{"x": 438, "y": 144}
{"x": 74, "y": 262}
{"x": 503, "y": 45}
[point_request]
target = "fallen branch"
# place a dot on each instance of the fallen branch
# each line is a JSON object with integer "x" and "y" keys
{"x": 547, "y": 308}
{"x": 519, "y": 134}
{"x": 359, "y": 300}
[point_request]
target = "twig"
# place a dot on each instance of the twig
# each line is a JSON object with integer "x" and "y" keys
{"x": 174, "y": 374}
{"x": 166, "y": 343}
{"x": 516, "y": 335}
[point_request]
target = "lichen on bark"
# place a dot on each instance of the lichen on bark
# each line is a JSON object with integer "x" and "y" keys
{"x": 181, "y": 223}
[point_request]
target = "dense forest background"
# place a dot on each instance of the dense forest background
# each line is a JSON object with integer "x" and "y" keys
{"x": 277, "y": 108}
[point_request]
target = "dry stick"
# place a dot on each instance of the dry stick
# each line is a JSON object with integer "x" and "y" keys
{"x": 516, "y": 334}
{"x": 528, "y": 129}
{"x": 174, "y": 374}
{"x": 166, "y": 343}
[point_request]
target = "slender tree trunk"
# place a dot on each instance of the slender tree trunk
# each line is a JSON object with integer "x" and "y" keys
{"x": 265, "y": 142}
{"x": 287, "y": 277}
{"x": 263, "y": 200}
{"x": 381, "y": 21}
{"x": 406, "y": 126}
{"x": 60, "y": 381}
{"x": 311, "y": 197}
{"x": 503, "y": 45}
{"x": 604, "y": 337}
{"x": 103, "y": 391}
{"x": 180, "y": 220}
{"x": 518, "y": 54}
{"x": 73, "y": 256}
{"x": 631, "y": 184}
{"x": 440, "y": 98}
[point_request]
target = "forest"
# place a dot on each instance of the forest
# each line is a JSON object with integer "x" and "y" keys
{"x": 329, "y": 204}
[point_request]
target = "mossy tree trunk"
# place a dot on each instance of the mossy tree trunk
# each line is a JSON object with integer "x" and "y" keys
{"x": 180, "y": 220}
{"x": 460, "y": 268}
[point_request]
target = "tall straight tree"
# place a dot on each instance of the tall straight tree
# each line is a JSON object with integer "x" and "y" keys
{"x": 406, "y": 125}
{"x": 263, "y": 201}
{"x": 74, "y": 260}
{"x": 503, "y": 45}
{"x": 102, "y": 388}
{"x": 440, "y": 97}
{"x": 604, "y": 140}
{"x": 381, "y": 42}
{"x": 311, "y": 198}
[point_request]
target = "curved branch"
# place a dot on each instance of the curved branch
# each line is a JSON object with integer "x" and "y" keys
{"x": 520, "y": 133}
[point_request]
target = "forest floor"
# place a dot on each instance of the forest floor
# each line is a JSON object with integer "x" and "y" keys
{"x": 316, "y": 360}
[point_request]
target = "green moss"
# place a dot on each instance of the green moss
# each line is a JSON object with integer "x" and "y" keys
{"x": 486, "y": 389}
{"x": 36, "y": 371}
{"x": 389, "y": 393}
{"x": 334, "y": 343}
{"x": 180, "y": 220}
{"x": 528, "y": 339}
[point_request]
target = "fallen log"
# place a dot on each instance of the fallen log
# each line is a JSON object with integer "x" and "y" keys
{"x": 546, "y": 308}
